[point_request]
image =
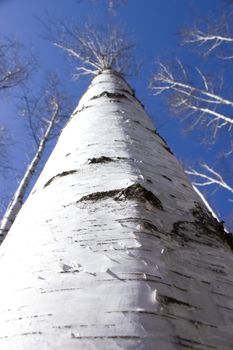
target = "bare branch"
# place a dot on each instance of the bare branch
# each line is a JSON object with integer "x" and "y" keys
{"x": 95, "y": 48}
{"x": 214, "y": 41}
{"x": 212, "y": 37}
{"x": 205, "y": 201}
{"x": 14, "y": 68}
{"x": 196, "y": 95}
{"x": 207, "y": 177}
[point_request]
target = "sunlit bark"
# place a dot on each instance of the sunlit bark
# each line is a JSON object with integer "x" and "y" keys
{"x": 114, "y": 249}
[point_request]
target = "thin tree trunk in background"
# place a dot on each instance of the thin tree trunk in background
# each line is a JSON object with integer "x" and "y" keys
{"x": 113, "y": 249}
{"x": 17, "y": 201}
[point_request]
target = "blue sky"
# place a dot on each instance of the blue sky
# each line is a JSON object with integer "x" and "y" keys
{"x": 154, "y": 25}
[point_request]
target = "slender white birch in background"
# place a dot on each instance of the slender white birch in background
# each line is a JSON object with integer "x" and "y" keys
{"x": 44, "y": 114}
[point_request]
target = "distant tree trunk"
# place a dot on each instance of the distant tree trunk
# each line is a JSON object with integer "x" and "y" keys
{"x": 17, "y": 200}
{"x": 113, "y": 249}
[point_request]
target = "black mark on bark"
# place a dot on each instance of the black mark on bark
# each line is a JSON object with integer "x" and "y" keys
{"x": 193, "y": 344}
{"x": 153, "y": 131}
{"x": 179, "y": 229}
{"x": 167, "y": 149}
{"x": 127, "y": 337}
{"x": 21, "y": 334}
{"x": 210, "y": 226}
{"x": 99, "y": 195}
{"x": 165, "y": 143}
{"x": 184, "y": 185}
{"x": 112, "y": 95}
{"x": 167, "y": 178}
{"x": 149, "y": 181}
{"x": 165, "y": 300}
{"x": 101, "y": 159}
{"x": 64, "y": 173}
{"x": 138, "y": 192}
{"x": 82, "y": 109}
{"x": 148, "y": 226}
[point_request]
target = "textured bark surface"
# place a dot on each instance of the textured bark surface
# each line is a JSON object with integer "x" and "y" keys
{"x": 113, "y": 248}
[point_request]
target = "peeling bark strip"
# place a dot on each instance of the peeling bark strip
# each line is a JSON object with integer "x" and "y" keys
{"x": 64, "y": 173}
{"x": 133, "y": 192}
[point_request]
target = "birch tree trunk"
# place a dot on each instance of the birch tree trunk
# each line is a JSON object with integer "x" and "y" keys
{"x": 17, "y": 200}
{"x": 113, "y": 249}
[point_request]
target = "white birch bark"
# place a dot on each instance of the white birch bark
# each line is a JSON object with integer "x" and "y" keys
{"x": 113, "y": 249}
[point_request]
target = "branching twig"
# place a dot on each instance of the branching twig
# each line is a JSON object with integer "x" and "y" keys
{"x": 212, "y": 37}
{"x": 95, "y": 49}
{"x": 200, "y": 99}
{"x": 209, "y": 176}
{"x": 14, "y": 68}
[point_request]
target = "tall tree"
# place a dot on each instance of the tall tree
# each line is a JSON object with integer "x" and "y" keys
{"x": 95, "y": 50}
{"x": 114, "y": 249}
